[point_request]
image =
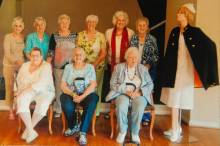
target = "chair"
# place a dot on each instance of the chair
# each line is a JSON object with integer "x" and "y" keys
{"x": 78, "y": 109}
{"x": 49, "y": 116}
{"x": 149, "y": 108}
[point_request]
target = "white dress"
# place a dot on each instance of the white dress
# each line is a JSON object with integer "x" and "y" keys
{"x": 181, "y": 96}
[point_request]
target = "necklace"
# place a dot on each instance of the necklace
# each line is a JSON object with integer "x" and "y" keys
{"x": 129, "y": 77}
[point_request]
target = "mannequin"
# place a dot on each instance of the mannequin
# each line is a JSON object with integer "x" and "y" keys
{"x": 190, "y": 61}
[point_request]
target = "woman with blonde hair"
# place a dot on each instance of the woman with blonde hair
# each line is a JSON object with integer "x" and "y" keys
{"x": 94, "y": 44}
{"x": 13, "y": 58}
{"x": 61, "y": 46}
{"x": 38, "y": 39}
{"x": 190, "y": 61}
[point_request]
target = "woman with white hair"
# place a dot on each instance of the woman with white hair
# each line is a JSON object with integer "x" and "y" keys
{"x": 94, "y": 44}
{"x": 190, "y": 61}
{"x": 78, "y": 85}
{"x": 118, "y": 39}
{"x": 37, "y": 39}
{"x": 13, "y": 58}
{"x": 34, "y": 83}
{"x": 61, "y": 46}
{"x": 130, "y": 80}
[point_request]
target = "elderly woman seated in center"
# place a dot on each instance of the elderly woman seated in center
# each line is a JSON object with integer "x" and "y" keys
{"x": 130, "y": 80}
{"x": 34, "y": 83}
{"x": 78, "y": 85}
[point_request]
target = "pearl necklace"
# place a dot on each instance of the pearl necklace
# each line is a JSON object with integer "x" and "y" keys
{"x": 131, "y": 78}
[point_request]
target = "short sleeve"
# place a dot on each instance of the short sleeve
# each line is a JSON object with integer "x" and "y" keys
{"x": 92, "y": 74}
{"x": 66, "y": 73}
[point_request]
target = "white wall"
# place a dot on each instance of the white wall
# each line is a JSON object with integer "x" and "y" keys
{"x": 207, "y": 103}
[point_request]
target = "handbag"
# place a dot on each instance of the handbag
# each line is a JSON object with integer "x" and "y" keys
{"x": 2, "y": 88}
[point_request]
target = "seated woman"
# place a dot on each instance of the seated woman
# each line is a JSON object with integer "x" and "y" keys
{"x": 34, "y": 83}
{"x": 78, "y": 85}
{"x": 130, "y": 80}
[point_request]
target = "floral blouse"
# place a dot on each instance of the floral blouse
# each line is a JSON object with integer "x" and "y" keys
{"x": 92, "y": 47}
{"x": 150, "y": 53}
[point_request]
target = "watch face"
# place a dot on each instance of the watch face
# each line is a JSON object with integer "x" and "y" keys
{"x": 130, "y": 87}
{"x": 79, "y": 84}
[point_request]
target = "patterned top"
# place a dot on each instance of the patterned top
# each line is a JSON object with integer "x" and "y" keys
{"x": 61, "y": 48}
{"x": 92, "y": 47}
{"x": 150, "y": 54}
{"x": 70, "y": 74}
{"x": 13, "y": 50}
{"x": 34, "y": 41}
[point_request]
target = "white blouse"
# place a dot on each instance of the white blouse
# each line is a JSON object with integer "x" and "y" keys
{"x": 41, "y": 80}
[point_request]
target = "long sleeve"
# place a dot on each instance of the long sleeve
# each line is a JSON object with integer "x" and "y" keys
{"x": 147, "y": 84}
{"x": 7, "y": 50}
{"x": 28, "y": 44}
{"x": 114, "y": 83}
{"x": 45, "y": 80}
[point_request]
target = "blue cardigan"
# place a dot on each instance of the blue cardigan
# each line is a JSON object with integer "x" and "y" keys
{"x": 118, "y": 77}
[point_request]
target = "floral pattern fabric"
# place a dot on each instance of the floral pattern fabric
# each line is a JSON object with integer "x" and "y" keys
{"x": 150, "y": 53}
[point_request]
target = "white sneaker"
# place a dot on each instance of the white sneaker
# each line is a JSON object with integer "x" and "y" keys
{"x": 176, "y": 136}
{"x": 121, "y": 137}
{"x": 135, "y": 138}
{"x": 169, "y": 132}
{"x": 24, "y": 134}
{"x": 32, "y": 136}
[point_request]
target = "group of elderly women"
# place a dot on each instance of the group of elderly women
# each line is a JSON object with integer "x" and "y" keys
{"x": 75, "y": 63}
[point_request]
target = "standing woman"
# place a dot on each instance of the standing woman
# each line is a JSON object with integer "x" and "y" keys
{"x": 118, "y": 39}
{"x": 190, "y": 61}
{"x": 13, "y": 58}
{"x": 38, "y": 39}
{"x": 147, "y": 46}
{"x": 61, "y": 47}
{"x": 94, "y": 45}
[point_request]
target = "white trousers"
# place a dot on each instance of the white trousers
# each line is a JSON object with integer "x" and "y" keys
{"x": 43, "y": 100}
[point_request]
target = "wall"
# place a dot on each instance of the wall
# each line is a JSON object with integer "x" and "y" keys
{"x": 207, "y": 103}
{"x": 77, "y": 10}
{"x": 206, "y": 112}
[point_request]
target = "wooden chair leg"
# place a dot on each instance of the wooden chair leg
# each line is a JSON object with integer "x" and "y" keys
{"x": 63, "y": 122}
{"x": 19, "y": 124}
{"x": 93, "y": 124}
{"x": 50, "y": 119}
{"x": 112, "y": 123}
{"x": 152, "y": 124}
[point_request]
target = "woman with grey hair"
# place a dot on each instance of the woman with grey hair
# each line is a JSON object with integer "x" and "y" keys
{"x": 61, "y": 46}
{"x": 130, "y": 80}
{"x": 118, "y": 39}
{"x": 78, "y": 86}
{"x": 13, "y": 58}
{"x": 94, "y": 44}
{"x": 38, "y": 39}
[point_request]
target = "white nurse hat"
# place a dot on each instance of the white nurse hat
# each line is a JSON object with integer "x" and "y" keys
{"x": 190, "y": 7}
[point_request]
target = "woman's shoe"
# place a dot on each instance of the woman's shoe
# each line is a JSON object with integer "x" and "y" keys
{"x": 121, "y": 137}
{"x": 135, "y": 138}
{"x": 176, "y": 136}
{"x": 31, "y": 136}
{"x": 24, "y": 134}
{"x": 169, "y": 132}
